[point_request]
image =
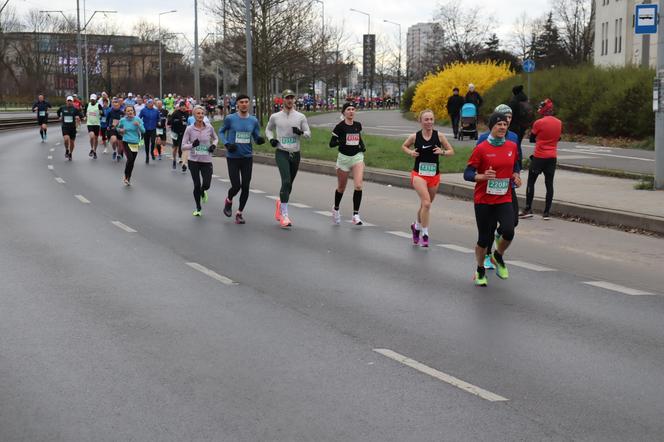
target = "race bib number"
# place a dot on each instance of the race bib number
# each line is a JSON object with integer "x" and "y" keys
{"x": 103, "y": 119}
{"x": 498, "y": 186}
{"x": 133, "y": 147}
{"x": 92, "y": 114}
{"x": 115, "y": 123}
{"x": 243, "y": 137}
{"x": 160, "y": 131}
{"x": 202, "y": 149}
{"x": 141, "y": 143}
{"x": 68, "y": 119}
{"x": 352, "y": 139}
{"x": 288, "y": 142}
{"x": 42, "y": 113}
{"x": 427, "y": 169}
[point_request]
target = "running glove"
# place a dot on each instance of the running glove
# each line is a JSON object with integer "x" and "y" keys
{"x": 362, "y": 147}
{"x": 274, "y": 142}
{"x": 211, "y": 148}
{"x": 297, "y": 131}
{"x": 231, "y": 147}
{"x": 260, "y": 140}
{"x": 195, "y": 143}
{"x": 334, "y": 141}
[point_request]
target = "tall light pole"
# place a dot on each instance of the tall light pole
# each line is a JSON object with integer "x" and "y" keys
{"x": 250, "y": 56}
{"x": 322, "y": 60}
{"x": 85, "y": 55}
{"x": 161, "y": 74}
{"x": 659, "y": 115}
{"x": 399, "y": 66}
{"x": 197, "y": 68}
{"x": 364, "y": 68}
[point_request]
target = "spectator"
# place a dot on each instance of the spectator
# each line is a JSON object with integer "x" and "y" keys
{"x": 474, "y": 97}
{"x": 454, "y": 105}
{"x": 522, "y": 112}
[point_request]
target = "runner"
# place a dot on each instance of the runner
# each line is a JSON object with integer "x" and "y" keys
{"x": 113, "y": 116}
{"x": 169, "y": 103}
{"x": 545, "y": 134}
{"x": 129, "y": 101}
{"x": 41, "y": 106}
{"x": 512, "y": 136}
{"x": 178, "y": 124}
{"x": 426, "y": 146}
{"x": 70, "y": 117}
{"x": 284, "y": 130}
{"x": 492, "y": 166}
{"x": 103, "y": 122}
{"x": 150, "y": 117}
{"x": 200, "y": 139}
{"x": 131, "y": 128}
{"x": 140, "y": 105}
{"x": 347, "y": 135}
{"x": 93, "y": 112}
{"x": 161, "y": 128}
{"x": 236, "y": 134}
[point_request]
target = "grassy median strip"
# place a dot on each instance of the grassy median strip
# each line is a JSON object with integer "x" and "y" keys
{"x": 382, "y": 152}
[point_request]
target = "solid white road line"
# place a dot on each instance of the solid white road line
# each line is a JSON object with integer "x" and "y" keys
{"x": 212, "y": 274}
{"x": 272, "y": 197}
{"x": 456, "y": 248}
{"x": 122, "y": 226}
{"x": 256, "y": 191}
{"x": 224, "y": 180}
{"x": 607, "y": 155}
{"x": 529, "y": 266}
{"x": 299, "y": 205}
{"x": 617, "y": 288}
{"x": 59, "y": 180}
{"x": 401, "y": 234}
{"x": 324, "y": 213}
{"x": 456, "y": 382}
{"x": 50, "y": 167}
{"x": 82, "y": 199}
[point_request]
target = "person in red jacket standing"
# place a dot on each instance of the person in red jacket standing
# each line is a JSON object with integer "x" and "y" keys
{"x": 545, "y": 134}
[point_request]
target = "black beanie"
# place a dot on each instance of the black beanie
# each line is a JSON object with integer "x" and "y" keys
{"x": 346, "y": 106}
{"x": 495, "y": 118}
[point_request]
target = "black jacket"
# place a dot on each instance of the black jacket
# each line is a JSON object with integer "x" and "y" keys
{"x": 475, "y": 98}
{"x": 454, "y": 105}
{"x": 178, "y": 121}
{"x": 521, "y": 112}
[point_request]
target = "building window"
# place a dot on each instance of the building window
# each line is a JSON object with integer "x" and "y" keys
{"x": 615, "y": 37}
{"x": 620, "y": 35}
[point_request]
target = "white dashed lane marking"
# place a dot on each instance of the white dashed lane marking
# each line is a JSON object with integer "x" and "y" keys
{"x": 400, "y": 234}
{"x": 50, "y": 167}
{"x": 449, "y": 379}
{"x": 529, "y": 266}
{"x": 51, "y": 149}
{"x": 211, "y": 273}
{"x": 256, "y": 191}
{"x": 272, "y": 197}
{"x": 456, "y": 248}
{"x": 82, "y": 199}
{"x": 299, "y": 205}
{"x": 618, "y": 288}
{"x": 324, "y": 213}
{"x": 59, "y": 180}
{"x": 50, "y": 157}
{"x": 123, "y": 226}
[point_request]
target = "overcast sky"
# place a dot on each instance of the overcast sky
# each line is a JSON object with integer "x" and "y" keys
{"x": 337, "y": 11}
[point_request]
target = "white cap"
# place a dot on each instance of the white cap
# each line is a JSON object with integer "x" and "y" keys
{"x": 93, "y": 97}
{"x": 130, "y": 94}
{"x": 471, "y": 86}
{"x": 70, "y": 98}
{"x": 170, "y": 95}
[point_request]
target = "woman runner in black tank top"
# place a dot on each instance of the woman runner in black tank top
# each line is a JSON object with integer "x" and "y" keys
{"x": 426, "y": 146}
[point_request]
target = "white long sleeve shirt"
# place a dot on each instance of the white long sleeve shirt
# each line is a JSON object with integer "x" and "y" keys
{"x": 281, "y": 126}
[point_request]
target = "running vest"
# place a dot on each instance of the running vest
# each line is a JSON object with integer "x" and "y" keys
{"x": 426, "y": 164}
{"x": 92, "y": 114}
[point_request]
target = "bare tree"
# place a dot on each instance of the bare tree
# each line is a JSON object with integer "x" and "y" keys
{"x": 520, "y": 41}
{"x": 463, "y": 28}
{"x": 575, "y": 20}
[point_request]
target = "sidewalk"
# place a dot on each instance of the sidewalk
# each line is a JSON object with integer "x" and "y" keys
{"x": 598, "y": 199}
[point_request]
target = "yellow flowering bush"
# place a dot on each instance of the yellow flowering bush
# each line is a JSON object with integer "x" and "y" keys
{"x": 435, "y": 89}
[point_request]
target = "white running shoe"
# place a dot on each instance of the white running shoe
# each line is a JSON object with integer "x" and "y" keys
{"x": 105, "y": 151}
{"x": 356, "y": 220}
{"x": 336, "y": 216}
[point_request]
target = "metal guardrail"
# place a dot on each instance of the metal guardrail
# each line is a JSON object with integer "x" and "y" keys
{"x": 17, "y": 123}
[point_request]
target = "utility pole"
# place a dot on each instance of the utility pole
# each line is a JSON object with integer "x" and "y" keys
{"x": 659, "y": 115}
{"x": 250, "y": 71}
{"x": 79, "y": 65}
{"x": 197, "y": 68}
{"x": 645, "y": 45}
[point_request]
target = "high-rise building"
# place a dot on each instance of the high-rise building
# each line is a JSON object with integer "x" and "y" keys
{"x": 417, "y": 40}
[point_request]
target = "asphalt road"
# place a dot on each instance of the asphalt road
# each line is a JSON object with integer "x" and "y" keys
{"x": 122, "y": 332}
{"x": 392, "y": 124}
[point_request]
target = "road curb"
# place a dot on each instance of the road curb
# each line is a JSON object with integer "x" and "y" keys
{"x": 598, "y": 215}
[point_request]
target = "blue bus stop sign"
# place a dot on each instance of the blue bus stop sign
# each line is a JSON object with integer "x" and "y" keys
{"x": 645, "y": 19}
{"x": 529, "y": 66}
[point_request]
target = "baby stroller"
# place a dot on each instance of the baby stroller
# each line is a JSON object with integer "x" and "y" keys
{"x": 468, "y": 122}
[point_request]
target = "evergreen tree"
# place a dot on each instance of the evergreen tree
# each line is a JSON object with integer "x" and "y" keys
{"x": 548, "y": 49}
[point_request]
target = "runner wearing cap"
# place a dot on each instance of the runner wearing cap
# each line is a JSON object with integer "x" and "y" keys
{"x": 178, "y": 124}
{"x": 41, "y": 106}
{"x": 169, "y": 103}
{"x": 284, "y": 130}
{"x": 129, "y": 101}
{"x": 347, "y": 136}
{"x": 70, "y": 117}
{"x": 93, "y": 112}
{"x": 492, "y": 166}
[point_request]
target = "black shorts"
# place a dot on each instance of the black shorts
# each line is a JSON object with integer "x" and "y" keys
{"x": 178, "y": 142}
{"x": 162, "y": 137}
{"x": 42, "y": 120}
{"x": 94, "y": 130}
{"x": 69, "y": 130}
{"x": 112, "y": 133}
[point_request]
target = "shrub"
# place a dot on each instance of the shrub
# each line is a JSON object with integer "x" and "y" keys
{"x": 435, "y": 89}
{"x": 407, "y": 98}
{"x": 589, "y": 100}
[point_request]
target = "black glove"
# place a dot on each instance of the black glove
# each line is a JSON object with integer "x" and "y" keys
{"x": 297, "y": 131}
{"x": 231, "y": 147}
{"x": 211, "y": 148}
{"x": 274, "y": 142}
{"x": 260, "y": 140}
{"x": 362, "y": 147}
{"x": 334, "y": 141}
{"x": 195, "y": 143}
{"x": 532, "y": 138}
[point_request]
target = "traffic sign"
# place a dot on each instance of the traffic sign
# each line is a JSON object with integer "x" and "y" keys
{"x": 646, "y": 19}
{"x": 529, "y": 66}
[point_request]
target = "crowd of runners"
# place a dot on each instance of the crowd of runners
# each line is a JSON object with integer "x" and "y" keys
{"x": 130, "y": 124}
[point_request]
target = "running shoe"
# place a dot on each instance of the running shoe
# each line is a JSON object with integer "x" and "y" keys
{"x": 115, "y": 154}
{"x": 184, "y": 168}
{"x": 546, "y": 216}
{"x": 125, "y": 181}
{"x": 356, "y": 220}
{"x": 94, "y": 155}
{"x": 197, "y": 213}
{"x": 480, "y": 281}
{"x": 501, "y": 268}
{"x": 90, "y": 154}
{"x": 70, "y": 157}
{"x": 416, "y": 234}
{"x": 153, "y": 158}
{"x": 66, "y": 154}
{"x": 239, "y": 219}
{"x": 488, "y": 264}
{"x": 425, "y": 240}
{"x": 228, "y": 207}
{"x": 204, "y": 198}
{"x": 105, "y": 151}
{"x": 277, "y": 212}
{"x": 174, "y": 167}
{"x": 160, "y": 157}
{"x": 336, "y": 216}
{"x": 285, "y": 222}
{"x": 525, "y": 214}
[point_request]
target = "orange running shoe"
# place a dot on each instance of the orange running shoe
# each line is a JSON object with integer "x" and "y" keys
{"x": 277, "y": 213}
{"x": 285, "y": 222}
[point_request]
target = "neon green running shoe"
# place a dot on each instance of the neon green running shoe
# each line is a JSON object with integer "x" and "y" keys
{"x": 204, "y": 198}
{"x": 197, "y": 213}
{"x": 501, "y": 269}
{"x": 480, "y": 282}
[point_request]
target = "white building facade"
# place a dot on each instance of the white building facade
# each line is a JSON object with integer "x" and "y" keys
{"x": 615, "y": 41}
{"x": 417, "y": 40}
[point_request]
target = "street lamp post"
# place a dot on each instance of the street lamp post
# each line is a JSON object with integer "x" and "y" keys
{"x": 85, "y": 55}
{"x": 364, "y": 68}
{"x": 322, "y": 60}
{"x": 197, "y": 68}
{"x": 250, "y": 72}
{"x": 399, "y": 62}
{"x": 161, "y": 75}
